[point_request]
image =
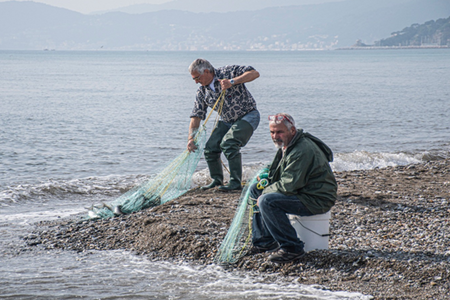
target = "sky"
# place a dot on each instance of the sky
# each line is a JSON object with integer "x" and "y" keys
{"x": 89, "y": 6}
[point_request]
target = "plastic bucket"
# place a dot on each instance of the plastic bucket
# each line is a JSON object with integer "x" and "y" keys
{"x": 312, "y": 230}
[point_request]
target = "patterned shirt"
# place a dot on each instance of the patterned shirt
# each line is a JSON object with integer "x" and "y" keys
{"x": 238, "y": 100}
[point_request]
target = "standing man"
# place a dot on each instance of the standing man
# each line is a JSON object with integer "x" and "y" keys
{"x": 238, "y": 120}
{"x": 301, "y": 182}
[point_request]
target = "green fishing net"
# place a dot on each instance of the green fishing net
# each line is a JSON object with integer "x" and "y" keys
{"x": 172, "y": 182}
{"x": 237, "y": 240}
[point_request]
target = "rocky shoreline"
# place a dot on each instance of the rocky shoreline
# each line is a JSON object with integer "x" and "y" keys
{"x": 390, "y": 234}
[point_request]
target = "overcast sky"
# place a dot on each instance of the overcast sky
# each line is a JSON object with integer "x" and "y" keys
{"x": 88, "y": 6}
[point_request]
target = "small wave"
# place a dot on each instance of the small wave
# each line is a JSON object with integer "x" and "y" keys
{"x": 108, "y": 186}
{"x": 363, "y": 160}
{"x": 357, "y": 160}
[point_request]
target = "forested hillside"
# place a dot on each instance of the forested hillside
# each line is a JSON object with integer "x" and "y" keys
{"x": 430, "y": 33}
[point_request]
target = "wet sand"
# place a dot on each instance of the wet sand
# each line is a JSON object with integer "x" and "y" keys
{"x": 390, "y": 234}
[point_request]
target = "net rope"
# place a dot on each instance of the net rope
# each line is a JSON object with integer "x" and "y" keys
{"x": 172, "y": 182}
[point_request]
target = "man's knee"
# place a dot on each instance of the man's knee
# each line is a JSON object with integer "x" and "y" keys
{"x": 230, "y": 148}
{"x": 237, "y": 137}
{"x": 211, "y": 155}
{"x": 265, "y": 202}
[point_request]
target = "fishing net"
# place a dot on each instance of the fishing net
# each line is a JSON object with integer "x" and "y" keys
{"x": 236, "y": 242}
{"x": 172, "y": 182}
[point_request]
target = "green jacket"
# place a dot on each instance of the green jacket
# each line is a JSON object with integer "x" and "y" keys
{"x": 304, "y": 171}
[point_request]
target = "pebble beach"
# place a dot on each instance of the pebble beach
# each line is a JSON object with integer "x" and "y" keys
{"x": 389, "y": 234}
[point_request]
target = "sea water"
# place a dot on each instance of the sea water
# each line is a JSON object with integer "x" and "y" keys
{"x": 79, "y": 128}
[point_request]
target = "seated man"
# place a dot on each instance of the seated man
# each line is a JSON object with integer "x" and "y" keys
{"x": 301, "y": 182}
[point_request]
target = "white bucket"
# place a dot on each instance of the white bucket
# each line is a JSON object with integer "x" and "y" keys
{"x": 312, "y": 230}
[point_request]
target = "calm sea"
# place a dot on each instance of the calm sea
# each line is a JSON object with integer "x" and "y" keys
{"x": 77, "y": 128}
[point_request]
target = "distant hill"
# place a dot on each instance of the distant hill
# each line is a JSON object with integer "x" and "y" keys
{"x": 207, "y": 6}
{"x": 35, "y": 26}
{"x": 430, "y": 33}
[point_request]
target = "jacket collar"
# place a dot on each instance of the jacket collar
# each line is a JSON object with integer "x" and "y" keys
{"x": 298, "y": 135}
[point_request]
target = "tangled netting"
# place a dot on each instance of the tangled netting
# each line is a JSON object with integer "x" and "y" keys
{"x": 237, "y": 240}
{"x": 170, "y": 183}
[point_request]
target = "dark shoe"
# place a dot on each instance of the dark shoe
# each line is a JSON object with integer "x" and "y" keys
{"x": 214, "y": 183}
{"x": 282, "y": 256}
{"x": 232, "y": 186}
{"x": 271, "y": 248}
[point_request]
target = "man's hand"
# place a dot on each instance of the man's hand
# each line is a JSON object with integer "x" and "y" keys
{"x": 191, "y": 146}
{"x": 244, "y": 78}
{"x": 193, "y": 127}
{"x": 225, "y": 84}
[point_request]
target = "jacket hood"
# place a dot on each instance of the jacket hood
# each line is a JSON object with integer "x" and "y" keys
{"x": 322, "y": 146}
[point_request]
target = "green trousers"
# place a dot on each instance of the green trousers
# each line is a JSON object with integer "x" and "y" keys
{"x": 227, "y": 140}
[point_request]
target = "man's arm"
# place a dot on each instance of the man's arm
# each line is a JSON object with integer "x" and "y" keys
{"x": 193, "y": 126}
{"x": 295, "y": 174}
{"x": 244, "y": 78}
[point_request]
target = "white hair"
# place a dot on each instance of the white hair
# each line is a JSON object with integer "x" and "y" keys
{"x": 288, "y": 120}
{"x": 200, "y": 65}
